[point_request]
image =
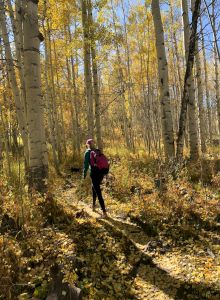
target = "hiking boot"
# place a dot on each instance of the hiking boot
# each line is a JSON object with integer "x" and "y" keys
{"x": 105, "y": 215}
{"x": 93, "y": 208}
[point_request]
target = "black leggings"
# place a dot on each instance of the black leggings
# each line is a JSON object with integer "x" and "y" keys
{"x": 96, "y": 189}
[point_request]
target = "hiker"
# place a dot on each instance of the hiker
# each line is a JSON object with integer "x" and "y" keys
{"x": 97, "y": 162}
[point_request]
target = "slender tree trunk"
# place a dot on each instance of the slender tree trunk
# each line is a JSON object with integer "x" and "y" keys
{"x": 206, "y": 86}
{"x": 193, "y": 126}
{"x": 189, "y": 68}
{"x": 87, "y": 68}
{"x": 17, "y": 32}
{"x": 62, "y": 126}
{"x": 20, "y": 110}
{"x": 38, "y": 161}
{"x": 126, "y": 123}
{"x": 216, "y": 69}
{"x": 200, "y": 101}
{"x": 71, "y": 96}
{"x": 54, "y": 105}
{"x": 167, "y": 122}
{"x": 75, "y": 97}
{"x": 217, "y": 89}
{"x": 6, "y": 137}
{"x": 177, "y": 60}
{"x": 131, "y": 93}
{"x": 48, "y": 100}
{"x": 213, "y": 26}
{"x": 95, "y": 78}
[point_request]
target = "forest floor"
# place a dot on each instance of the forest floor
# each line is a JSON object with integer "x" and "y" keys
{"x": 146, "y": 249}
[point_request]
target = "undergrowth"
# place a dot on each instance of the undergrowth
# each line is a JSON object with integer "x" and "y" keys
{"x": 167, "y": 201}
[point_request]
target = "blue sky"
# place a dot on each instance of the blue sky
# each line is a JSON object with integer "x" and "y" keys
{"x": 208, "y": 34}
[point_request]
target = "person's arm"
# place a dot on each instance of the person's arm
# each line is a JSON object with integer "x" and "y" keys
{"x": 86, "y": 163}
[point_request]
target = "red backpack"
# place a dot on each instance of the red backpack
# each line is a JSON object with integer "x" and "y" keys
{"x": 99, "y": 161}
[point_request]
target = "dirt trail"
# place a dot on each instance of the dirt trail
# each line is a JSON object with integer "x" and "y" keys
{"x": 122, "y": 261}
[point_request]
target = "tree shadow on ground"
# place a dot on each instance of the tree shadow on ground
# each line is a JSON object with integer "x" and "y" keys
{"x": 132, "y": 231}
{"x": 190, "y": 227}
{"x": 155, "y": 275}
{"x": 106, "y": 251}
{"x": 96, "y": 258}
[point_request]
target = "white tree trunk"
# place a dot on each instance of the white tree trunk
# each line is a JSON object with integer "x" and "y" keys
{"x": 20, "y": 110}
{"x": 202, "y": 125}
{"x": 126, "y": 122}
{"x": 216, "y": 68}
{"x": 95, "y": 78}
{"x": 193, "y": 126}
{"x": 87, "y": 69}
{"x": 53, "y": 94}
{"x": 38, "y": 160}
{"x": 206, "y": 86}
{"x": 188, "y": 74}
{"x": 48, "y": 101}
{"x": 217, "y": 87}
{"x": 167, "y": 122}
{"x": 74, "y": 96}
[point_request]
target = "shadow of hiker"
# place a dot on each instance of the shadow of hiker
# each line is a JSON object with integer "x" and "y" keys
{"x": 154, "y": 275}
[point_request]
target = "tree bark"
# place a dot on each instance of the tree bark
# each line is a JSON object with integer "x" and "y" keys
{"x": 54, "y": 105}
{"x": 38, "y": 160}
{"x": 87, "y": 69}
{"x": 189, "y": 68}
{"x": 126, "y": 122}
{"x": 193, "y": 126}
{"x": 20, "y": 110}
{"x": 167, "y": 122}
{"x": 209, "y": 113}
{"x": 202, "y": 125}
{"x": 48, "y": 100}
{"x": 74, "y": 97}
{"x": 216, "y": 69}
{"x": 95, "y": 77}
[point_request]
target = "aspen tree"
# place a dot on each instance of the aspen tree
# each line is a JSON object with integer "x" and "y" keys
{"x": 62, "y": 129}
{"x": 75, "y": 95}
{"x": 177, "y": 59}
{"x": 200, "y": 100}
{"x": 54, "y": 106}
{"x": 5, "y": 125}
{"x": 193, "y": 127}
{"x": 6, "y": 143}
{"x": 213, "y": 26}
{"x": 87, "y": 68}
{"x": 48, "y": 100}
{"x": 17, "y": 32}
{"x": 126, "y": 125}
{"x": 20, "y": 110}
{"x": 167, "y": 122}
{"x": 38, "y": 161}
{"x": 131, "y": 93}
{"x": 216, "y": 68}
{"x": 95, "y": 77}
{"x": 70, "y": 96}
{"x": 188, "y": 73}
{"x": 148, "y": 124}
{"x": 207, "y": 95}
{"x": 217, "y": 87}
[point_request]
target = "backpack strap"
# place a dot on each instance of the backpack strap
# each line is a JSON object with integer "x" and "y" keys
{"x": 92, "y": 158}
{"x": 93, "y": 155}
